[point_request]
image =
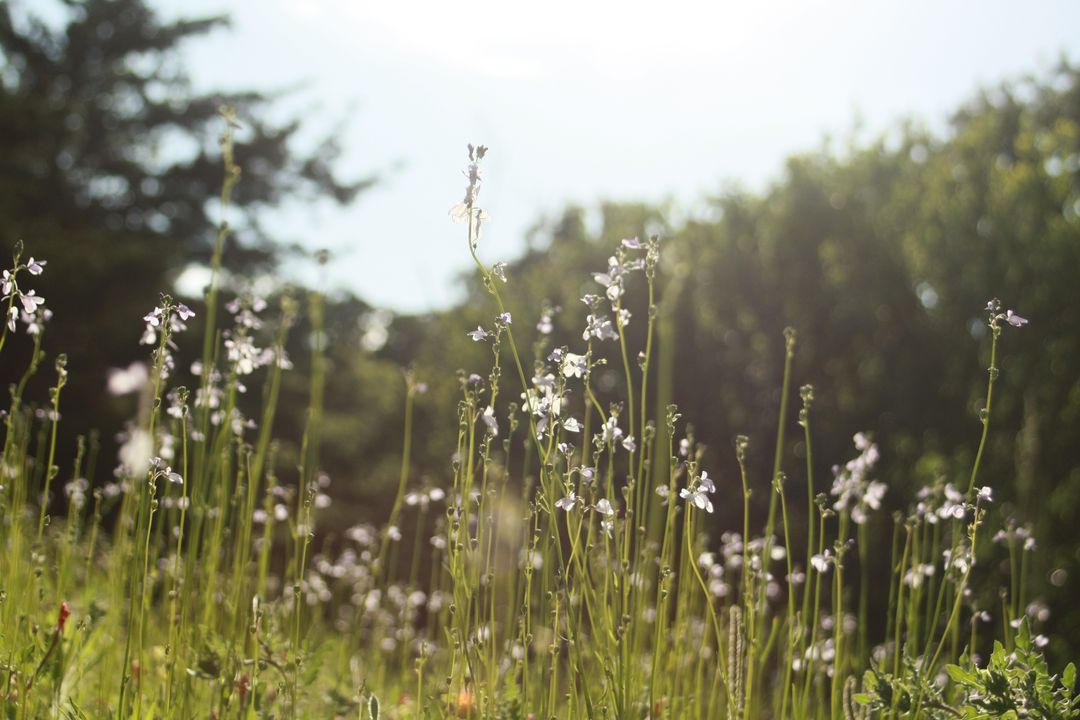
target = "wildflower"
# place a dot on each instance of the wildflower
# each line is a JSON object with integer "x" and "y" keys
{"x": 572, "y": 425}
{"x": 698, "y": 498}
{"x": 1014, "y": 319}
{"x": 35, "y": 322}
{"x": 35, "y": 267}
{"x": 503, "y": 318}
{"x": 30, "y": 301}
{"x": 574, "y": 365}
{"x": 567, "y": 503}
{"x": 854, "y": 492}
{"x": 135, "y": 452}
{"x": 631, "y": 243}
{"x": 985, "y": 494}
{"x": 705, "y": 482}
{"x": 488, "y": 416}
{"x": 821, "y": 561}
{"x": 994, "y": 309}
{"x": 545, "y": 326}
{"x": 599, "y": 327}
{"x": 242, "y": 352}
{"x": 478, "y": 334}
{"x": 163, "y": 470}
{"x": 628, "y": 443}
{"x": 603, "y": 506}
{"x": 611, "y": 432}
{"x": 499, "y": 270}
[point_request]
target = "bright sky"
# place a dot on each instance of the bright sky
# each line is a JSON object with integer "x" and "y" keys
{"x": 585, "y": 101}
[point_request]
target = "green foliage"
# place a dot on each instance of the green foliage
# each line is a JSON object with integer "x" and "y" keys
{"x": 1013, "y": 684}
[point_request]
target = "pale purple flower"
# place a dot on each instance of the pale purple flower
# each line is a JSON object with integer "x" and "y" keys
{"x": 567, "y": 503}
{"x": 504, "y": 318}
{"x": 603, "y": 506}
{"x": 478, "y": 334}
{"x": 30, "y": 301}
{"x": 572, "y": 425}
{"x": 499, "y": 270}
{"x": 632, "y": 243}
{"x": 35, "y": 267}
{"x": 1014, "y": 319}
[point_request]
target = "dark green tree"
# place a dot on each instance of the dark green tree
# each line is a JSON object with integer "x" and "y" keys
{"x": 110, "y": 166}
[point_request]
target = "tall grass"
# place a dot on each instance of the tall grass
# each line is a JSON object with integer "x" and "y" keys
{"x": 573, "y": 570}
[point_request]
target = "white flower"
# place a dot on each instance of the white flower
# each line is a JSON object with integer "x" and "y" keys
{"x": 478, "y": 334}
{"x": 628, "y": 443}
{"x": 607, "y": 526}
{"x": 127, "y": 380}
{"x": 705, "y": 483}
{"x": 986, "y": 494}
{"x": 135, "y": 453}
{"x": 165, "y": 471}
{"x": 499, "y": 270}
{"x": 599, "y": 327}
{"x": 504, "y": 318}
{"x": 35, "y": 267}
{"x": 631, "y": 243}
{"x": 567, "y": 503}
{"x": 488, "y": 416}
{"x": 603, "y": 506}
{"x": 821, "y": 562}
{"x": 574, "y": 365}
{"x": 572, "y": 425}
{"x": 698, "y": 498}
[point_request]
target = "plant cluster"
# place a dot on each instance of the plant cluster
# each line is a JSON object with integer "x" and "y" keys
{"x": 564, "y": 568}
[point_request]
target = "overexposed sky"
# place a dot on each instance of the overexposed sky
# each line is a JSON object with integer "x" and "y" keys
{"x": 585, "y": 101}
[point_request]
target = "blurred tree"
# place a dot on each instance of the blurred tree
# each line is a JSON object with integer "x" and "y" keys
{"x": 109, "y": 167}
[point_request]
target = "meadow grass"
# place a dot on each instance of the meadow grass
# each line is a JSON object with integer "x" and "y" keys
{"x": 568, "y": 567}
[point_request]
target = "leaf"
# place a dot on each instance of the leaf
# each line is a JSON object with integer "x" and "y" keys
{"x": 960, "y": 675}
{"x": 373, "y": 707}
{"x": 1068, "y": 679}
